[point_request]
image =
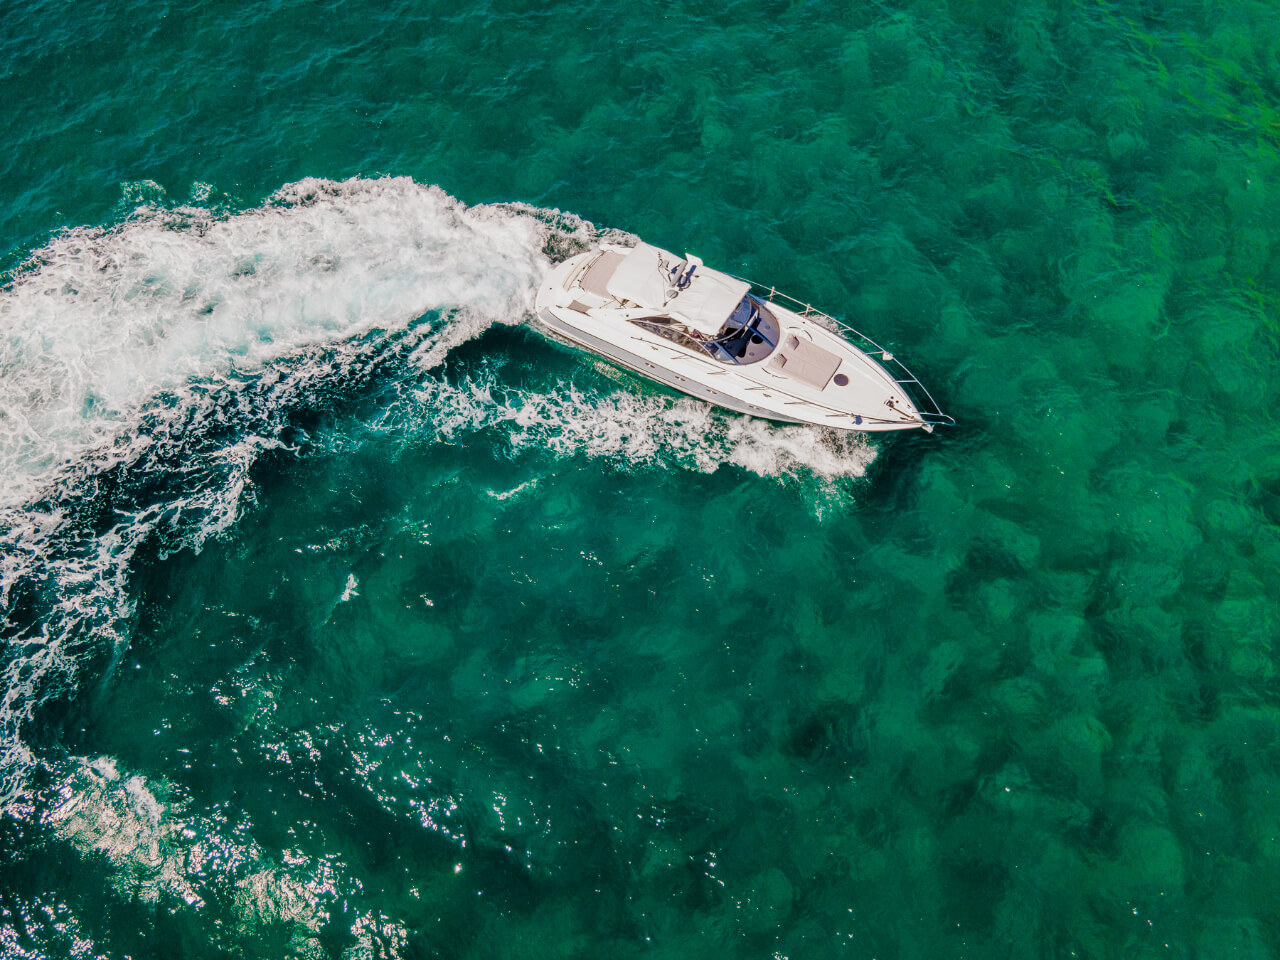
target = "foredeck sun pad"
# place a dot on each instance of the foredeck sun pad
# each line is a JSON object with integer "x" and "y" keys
{"x": 805, "y": 361}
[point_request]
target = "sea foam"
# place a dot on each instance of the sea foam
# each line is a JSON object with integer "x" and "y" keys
{"x": 145, "y": 367}
{"x": 635, "y": 428}
{"x": 102, "y": 321}
{"x": 148, "y": 366}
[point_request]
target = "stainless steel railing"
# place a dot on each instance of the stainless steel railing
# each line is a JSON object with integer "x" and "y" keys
{"x": 929, "y": 411}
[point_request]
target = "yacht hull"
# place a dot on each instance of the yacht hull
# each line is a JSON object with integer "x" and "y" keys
{"x": 704, "y": 333}
{"x": 652, "y": 371}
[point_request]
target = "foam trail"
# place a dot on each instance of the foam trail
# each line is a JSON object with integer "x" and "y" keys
{"x": 144, "y": 368}
{"x": 100, "y": 321}
{"x": 635, "y": 428}
{"x": 162, "y": 851}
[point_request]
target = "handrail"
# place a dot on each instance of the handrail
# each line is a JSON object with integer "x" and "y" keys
{"x": 931, "y": 416}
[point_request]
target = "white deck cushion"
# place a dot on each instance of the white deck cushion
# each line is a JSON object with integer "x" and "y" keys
{"x": 640, "y": 277}
{"x": 806, "y": 361}
{"x": 644, "y": 277}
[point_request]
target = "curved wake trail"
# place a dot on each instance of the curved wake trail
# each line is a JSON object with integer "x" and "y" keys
{"x": 102, "y": 321}
{"x": 145, "y": 368}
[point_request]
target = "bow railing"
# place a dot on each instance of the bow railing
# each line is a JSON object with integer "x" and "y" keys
{"x": 929, "y": 410}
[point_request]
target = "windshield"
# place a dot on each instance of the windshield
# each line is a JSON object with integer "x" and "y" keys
{"x": 749, "y": 335}
{"x": 665, "y": 327}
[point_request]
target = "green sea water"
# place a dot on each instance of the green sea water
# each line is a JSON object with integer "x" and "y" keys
{"x": 346, "y": 615}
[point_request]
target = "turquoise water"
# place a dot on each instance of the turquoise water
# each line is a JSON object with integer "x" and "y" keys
{"x": 348, "y": 616}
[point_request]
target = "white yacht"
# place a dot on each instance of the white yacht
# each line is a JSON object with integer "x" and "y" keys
{"x": 727, "y": 341}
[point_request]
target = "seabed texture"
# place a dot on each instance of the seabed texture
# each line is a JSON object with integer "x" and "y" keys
{"x": 348, "y": 616}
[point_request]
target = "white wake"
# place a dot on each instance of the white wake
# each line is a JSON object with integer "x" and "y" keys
{"x": 146, "y": 367}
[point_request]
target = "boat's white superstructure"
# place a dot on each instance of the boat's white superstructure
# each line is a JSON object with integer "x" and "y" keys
{"x": 716, "y": 337}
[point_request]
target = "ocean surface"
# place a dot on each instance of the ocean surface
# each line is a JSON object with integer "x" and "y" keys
{"x": 346, "y": 615}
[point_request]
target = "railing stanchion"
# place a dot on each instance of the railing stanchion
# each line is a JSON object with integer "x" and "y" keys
{"x": 934, "y": 415}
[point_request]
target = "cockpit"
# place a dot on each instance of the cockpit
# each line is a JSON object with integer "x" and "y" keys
{"x": 749, "y": 335}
